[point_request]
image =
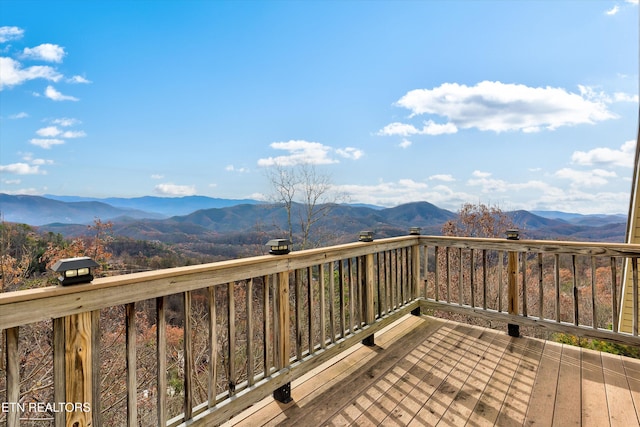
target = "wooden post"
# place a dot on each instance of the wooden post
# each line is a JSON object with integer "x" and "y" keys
{"x": 512, "y": 291}
{"x": 415, "y": 276}
{"x": 78, "y": 377}
{"x": 369, "y": 311}
{"x": 283, "y": 345}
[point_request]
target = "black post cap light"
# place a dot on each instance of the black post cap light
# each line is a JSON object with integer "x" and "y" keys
{"x": 365, "y": 236}
{"x": 414, "y": 231}
{"x": 513, "y": 234}
{"x": 279, "y": 246}
{"x": 75, "y": 270}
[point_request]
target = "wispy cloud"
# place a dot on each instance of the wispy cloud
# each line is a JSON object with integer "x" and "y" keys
{"x": 46, "y": 143}
{"x": 14, "y": 74}
{"x": 605, "y": 156}
{"x": 51, "y": 93}
{"x": 300, "y": 152}
{"x": 592, "y": 178}
{"x": 350, "y": 153}
{"x": 231, "y": 168}
{"x": 614, "y": 10}
{"x": 170, "y": 189}
{"x": 53, "y": 131}
{"x": 442, "y": 177}
{"x": 21, "y": 169}
{"x": 498, "y": 107}
{"x": 21, "y": 115}
{"x": 10, "y": 33}
{"x": 78, "y": 79}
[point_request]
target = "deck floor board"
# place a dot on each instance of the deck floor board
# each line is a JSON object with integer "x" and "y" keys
{"x": 425, "y": 371}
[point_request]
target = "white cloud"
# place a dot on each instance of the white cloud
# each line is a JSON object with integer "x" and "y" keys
{"x": 442, "y": 177}
{"x": 13, "y": 74}
{"x": 231, "y": 168}
{"x": 21, "y": 115}
{"x": 170, "y": 189}
{"x": 429, "y": 128}
{"x": 606, "y": 156}
{"x": 405, "y": 143}
{"x": 592, "y": 178}
{"x": 78, "y": 79}
{"x": 10, "y": 33}
{"x": 45, "y": 52}
{"x": 46, "y": 143}
{"x": 625, "y": 97}
{"x": 157, "y": 176}
{"x": 499, "y": 107}
{"x": 615, "y": 9}
{"x": 300, "y": 152}
{"x": 350, "y": 153}
{"x": 51, "y": 93}
{"x": 11, "y": 181}
{"x": 66, "y": 122}
{"x": 20, "y": 169}
{"x": 50, "y": 131}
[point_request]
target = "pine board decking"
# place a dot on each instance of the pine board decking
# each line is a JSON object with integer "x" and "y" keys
{"x": 425, "y": 371}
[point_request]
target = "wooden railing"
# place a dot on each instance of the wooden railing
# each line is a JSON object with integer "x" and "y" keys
{"x": 565, "y": 287}
{"x": 198, "y": 344}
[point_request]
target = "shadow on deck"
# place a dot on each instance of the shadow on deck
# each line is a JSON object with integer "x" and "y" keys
{"x": 425, "y": 371}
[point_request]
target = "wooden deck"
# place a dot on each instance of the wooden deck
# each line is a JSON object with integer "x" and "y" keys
{"x": 425, "y": 371}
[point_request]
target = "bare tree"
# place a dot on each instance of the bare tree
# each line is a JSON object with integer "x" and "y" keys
{"x": 302, "y": 189}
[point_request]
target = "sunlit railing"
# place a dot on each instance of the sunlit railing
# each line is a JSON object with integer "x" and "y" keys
{"x": 567, "y": 287}
{"x": 196, "y": 345}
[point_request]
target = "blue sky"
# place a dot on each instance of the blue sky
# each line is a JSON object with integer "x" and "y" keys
{"x": 520, "y": 104}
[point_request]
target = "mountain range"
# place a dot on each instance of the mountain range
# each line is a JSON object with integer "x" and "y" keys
{"x": 198, "y": 217}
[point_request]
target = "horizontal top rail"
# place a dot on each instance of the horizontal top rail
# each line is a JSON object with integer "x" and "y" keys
{"x": 33, "y": 305}
{"x": 543, "y": 246}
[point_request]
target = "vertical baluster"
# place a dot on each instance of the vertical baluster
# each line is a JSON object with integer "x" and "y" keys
{"x": 188, "y": 358}
{"x": 425, "y": 270}
{"x": 634, "y": 268}
{"x": 352, "y": 297}
{"x": 448, "y": 267}
{"x": 298, "y": 300}
{"x": 13, "y": 375}
{"x": 525, "y": 311}
{"x": 380, "y": 284}
{"x": 540, "y": 287}
{"x": 556, "y": 268}
{"x": 389, "y": 279}
{"x": 310, "y": 307}
{"x": 472, "y": 275}
{"x": 342, "y": 307}
{"x": 575, "y": 290}
{"x": 436, "y": 274}
{"x": 500, "y": 276}
{"x": 161, "y": 366}
{"x": 95, "y": 368}
{"x": 59, "y": 385}
{"x": 614, "y": 294}
{"x": 323, "y": 307}
{"x": 358, "y": 282}
{"x": 212, "y": 348}
{"x": 484, "y": 279}
{"x": 332, "y": 300}
{"x": 267, "y": 325}
{"x": 132, "y": 388}
{"x": 460, "y": 278}
{"x": 250, "y": 363}
{"x": 593, "y": 292}
{"x": 231, "y": 334}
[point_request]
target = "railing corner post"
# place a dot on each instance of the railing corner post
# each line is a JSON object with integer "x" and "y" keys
{"x": 283, "y": 345}
{"x": 78, "y": 369}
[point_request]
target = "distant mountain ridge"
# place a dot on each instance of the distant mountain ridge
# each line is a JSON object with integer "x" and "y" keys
{"x": 157, "y": 218}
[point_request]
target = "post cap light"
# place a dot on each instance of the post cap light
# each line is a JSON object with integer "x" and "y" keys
{"x": 279, "y": 246}
{"x": 513, "y": 234}
{"x": 74, "y": 270}
{"x": 365, "y": 236}
{"x": 414, "y": 231}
